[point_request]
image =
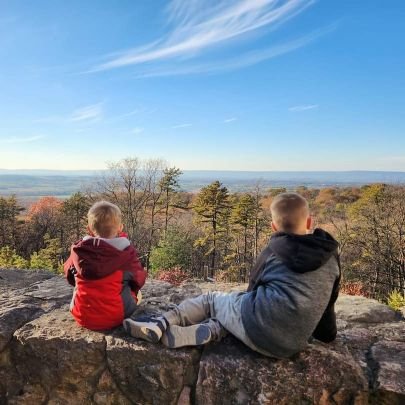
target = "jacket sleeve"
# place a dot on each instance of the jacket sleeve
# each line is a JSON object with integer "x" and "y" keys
{"x": 257, "y": 269}
{"x": 326, "y": 329}
{"x": 70, "y": 271}
{"x": 137, "y": 273}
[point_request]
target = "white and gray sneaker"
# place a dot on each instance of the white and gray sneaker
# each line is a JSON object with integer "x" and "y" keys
{"x": 180, "y": 336}
{"x": 146, "y": 327}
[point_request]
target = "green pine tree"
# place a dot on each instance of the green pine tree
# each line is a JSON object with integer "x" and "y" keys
{"x": 212, "y": 207}
{"x": 169, "y": 185}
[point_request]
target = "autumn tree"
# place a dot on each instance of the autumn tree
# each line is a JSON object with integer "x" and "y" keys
{"x": 153, "y": 173}
{"x": 378, "y": 239}
{"x": 135, "y": 186}
{"x": 43, "y": 217}
{"x": 124, "y": 185}
{"x": 212, "y": 209}
{"x": 277, "y": 190}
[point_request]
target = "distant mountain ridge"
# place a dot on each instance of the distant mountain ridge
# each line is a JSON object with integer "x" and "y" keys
{"x": 349, "y": 175}
{"x": 35, "y": 183}
{"x": 48, "y": 172}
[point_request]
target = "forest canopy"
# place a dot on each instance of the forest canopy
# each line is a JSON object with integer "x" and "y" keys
{"x": 212, "y": 232}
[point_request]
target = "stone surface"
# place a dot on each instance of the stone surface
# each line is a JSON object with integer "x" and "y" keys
{"x": 389, "y": 361}
{"x": 361, "y": 310}
{"x": 25, "y": 295}
{"x": 151, "y": 375}
{"x": 46, "y": 358}
{"x": 317, "y": 375}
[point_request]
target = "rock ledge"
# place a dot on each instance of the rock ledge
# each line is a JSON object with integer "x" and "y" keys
{"x": 45, "y": 358}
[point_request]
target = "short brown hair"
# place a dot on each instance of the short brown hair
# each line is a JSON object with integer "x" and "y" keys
{"x": 288, "y": 210}
{"x": 104, "y": 218}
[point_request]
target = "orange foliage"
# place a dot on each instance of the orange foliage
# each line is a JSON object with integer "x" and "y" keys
{"x": 174, "y": 276}
{"x": 45, "y": 206}
{"x": 353, "y": 288}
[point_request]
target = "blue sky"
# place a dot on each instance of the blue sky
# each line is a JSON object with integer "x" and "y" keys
{"x": 204, "y": 84}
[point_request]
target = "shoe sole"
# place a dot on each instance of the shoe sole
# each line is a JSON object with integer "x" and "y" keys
{"x": 143, "y": 330}
{"x": 181, "y": 336}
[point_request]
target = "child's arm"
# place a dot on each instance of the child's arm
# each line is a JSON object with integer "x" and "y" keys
{"x": 137, "y": 273}
{"x": 69, "y": 270}
{"x": 326, "y": 329}
{"x": 258, "y": 268}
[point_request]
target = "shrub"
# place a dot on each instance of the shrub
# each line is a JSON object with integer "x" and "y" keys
{"x": 49, "y": 257}
{"x": 353, "y": 288}
{"x": 396, "y": 300}
{"x": 175, "y": 250}
{"x": 229, "y": 275}
{"x": 9, "y": 259}
{"x": 174, "y": 276}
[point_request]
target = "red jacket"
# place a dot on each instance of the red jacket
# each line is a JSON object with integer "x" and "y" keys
{"x": 106, "y": 280}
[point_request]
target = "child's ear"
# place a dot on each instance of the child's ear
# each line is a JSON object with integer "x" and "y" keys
{"x": 90, "y": 232}
{"x": 273, "y": 226}
{"x": 309, "y": 223}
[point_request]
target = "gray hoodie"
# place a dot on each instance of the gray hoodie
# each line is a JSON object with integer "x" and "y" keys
{"x": 293, "y": 296}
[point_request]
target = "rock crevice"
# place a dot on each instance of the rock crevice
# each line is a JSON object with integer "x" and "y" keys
{"x": 45, "y": 358}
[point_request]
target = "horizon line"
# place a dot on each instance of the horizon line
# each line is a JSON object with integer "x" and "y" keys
{"x": 218, "y": 170}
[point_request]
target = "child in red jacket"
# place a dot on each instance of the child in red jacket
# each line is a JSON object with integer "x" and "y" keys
{"x": 105, "y": 270}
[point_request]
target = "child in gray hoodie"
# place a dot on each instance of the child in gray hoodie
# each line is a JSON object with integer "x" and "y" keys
{"x": 294, "y": 285}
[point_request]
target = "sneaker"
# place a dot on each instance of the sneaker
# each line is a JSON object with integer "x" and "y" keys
{"x": 180, "y": 336}
{"x": 146, "y": 328}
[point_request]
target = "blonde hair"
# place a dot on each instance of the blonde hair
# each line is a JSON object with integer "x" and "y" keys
{"x": 104, "y": 219}
{"x": 288, "y": 211}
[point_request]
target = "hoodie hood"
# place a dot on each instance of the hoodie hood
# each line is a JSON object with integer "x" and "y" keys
{"x": 96, "y": 258}
{"x": 119, "y": 243}
{"x": 303, "y": 253}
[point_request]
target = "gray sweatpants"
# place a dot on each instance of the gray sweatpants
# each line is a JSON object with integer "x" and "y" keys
{"x": 221, "y": 311}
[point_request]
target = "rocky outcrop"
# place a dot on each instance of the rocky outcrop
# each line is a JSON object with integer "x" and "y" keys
{"x": 45, "y": 358}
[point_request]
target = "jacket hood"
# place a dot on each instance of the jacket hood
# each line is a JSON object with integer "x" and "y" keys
{"x": 303, "y": 253}
{"x": 95, "y": 258}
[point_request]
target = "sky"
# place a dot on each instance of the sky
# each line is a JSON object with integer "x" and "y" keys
{"x": 204, "y": 84}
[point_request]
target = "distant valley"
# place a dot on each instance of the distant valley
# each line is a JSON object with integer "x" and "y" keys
{"x": 35, "y": 183}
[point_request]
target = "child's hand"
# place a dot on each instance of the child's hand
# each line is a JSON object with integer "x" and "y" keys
{"x": 139, "y": 297}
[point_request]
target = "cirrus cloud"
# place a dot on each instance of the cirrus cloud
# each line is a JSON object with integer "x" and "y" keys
{"x": 197, "y": 28}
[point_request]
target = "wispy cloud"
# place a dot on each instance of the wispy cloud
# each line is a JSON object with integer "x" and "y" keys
{"x": 181, "y": 126}
{"x": 92, "y": 112}
{"x": 17, "y": 139}
{"x": 242, "y": 61}
{"x": 306, "y": 107}
{"x": 228, "y": 120}
{"x": 130, "y": 114}
{"x": 83, "y": 115}
{"x": 199, "y": 27}
{"x": 137, "y": 131}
